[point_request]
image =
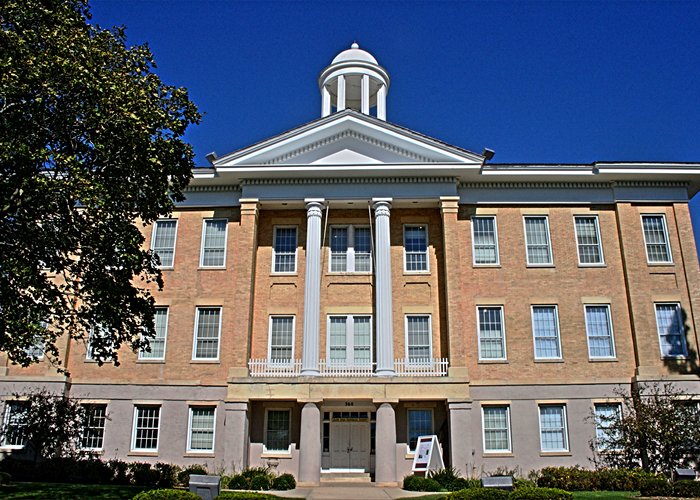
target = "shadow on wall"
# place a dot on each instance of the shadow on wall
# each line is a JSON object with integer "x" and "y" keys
{"x": 687, "y": 365}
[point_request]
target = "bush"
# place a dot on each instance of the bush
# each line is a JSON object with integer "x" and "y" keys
{"x": 686, "y": 488}
{"x": 5, "y": 478}
{"x": 244, "y": 495}
{"x": 119, "y": 470}
{"x": 167, "y": 474}
{"x": 284, "y": 482}
{"x": 261, "y": 482}
{"x": 523, "y": 483}
{"x": 655, "y": 487}
{"x": 142, "y": 474}
{"x": 449, "y": 479}
{"x": 166, "y": 495}
{"x": 540, "y": 494}
{"x": 237, "y": 482}
{"x": 567, "y": 478}
{"x": 183, "y": 477}
{"x": 479, "y": 494}
{"x": 417, "y": 483}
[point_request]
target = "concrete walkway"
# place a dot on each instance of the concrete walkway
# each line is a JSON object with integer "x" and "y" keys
{"x": 348, "y": 492}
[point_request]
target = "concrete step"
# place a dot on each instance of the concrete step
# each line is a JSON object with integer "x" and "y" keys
{"x": 345, "y": 478}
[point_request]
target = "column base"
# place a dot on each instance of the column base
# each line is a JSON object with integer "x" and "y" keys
{"x": 385, "y": 373}
{"x": 309, "y": 372}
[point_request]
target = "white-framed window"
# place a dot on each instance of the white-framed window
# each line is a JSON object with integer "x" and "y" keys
{"x": 93, "y": 431}
{"x": 145, "y": 429}
{"x": 420, "y": 423}
{"x": 157, "y": 344}
{"x": 485, "y": 240}
{"x": 415, "y": 245}
{"x": 492, "y": 333}
{"x": 553, "y": 433}
{"x": 606, "y": 416}
{"x": 207, "y": 332}
{"x": 163, "y": 241}
{"x": 588, "y": 244}
{"x": 201, "y": 429}
{"x": 14, "y": 425}
{"x": 669, "y": 325}
{"x": 656, "y": 239}
{"x": 284, "y": 250}
{"x": 496, "y": 425}
{"x": 599, "y": 331}
{"x": 278, "y": 424}
{"x": 545, "y": 330}
{"x": 350, "y": 340}
{"x": 351, "y": 249}
{"x": 36, "y": 350}
{"x": 537, "y": 243}
{"x": 419, "y": 348}
{"x": 213, "y": 252}
{"x": 281, "y": 344}
{"x": 93, "y": 349}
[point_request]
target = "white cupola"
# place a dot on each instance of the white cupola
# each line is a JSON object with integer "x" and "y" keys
{"x": 354, "y": 80}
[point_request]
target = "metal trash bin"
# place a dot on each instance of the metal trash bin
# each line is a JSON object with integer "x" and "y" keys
{"x": 683, "y": 474}
{"x": 499, "y": 482}
{"x": 207, "y": 487}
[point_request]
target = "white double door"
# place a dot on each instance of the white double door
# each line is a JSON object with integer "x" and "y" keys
{"x": 350, "y": 445}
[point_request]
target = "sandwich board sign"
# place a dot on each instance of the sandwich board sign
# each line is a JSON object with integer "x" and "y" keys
{"x": 428, "y": 456}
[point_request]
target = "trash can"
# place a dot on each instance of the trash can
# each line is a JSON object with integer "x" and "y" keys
{"x": 499, "y": 482}
{"x": 207, "y": 487}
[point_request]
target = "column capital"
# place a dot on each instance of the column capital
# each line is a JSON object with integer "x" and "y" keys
{"x": 314, "y": 207}
{"x": 449, "y": 204}
{"x": 381, "y": 206}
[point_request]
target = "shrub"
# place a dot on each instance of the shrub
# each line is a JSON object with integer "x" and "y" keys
{"x": 5, "y": 478}
{"x": 417, "y": 483}
{"x": 238, "y": 482}
{"x": 244, "y": 495}
{"x": 119, "y": 470}
{"x": 251, "y": 472}
{"x": 523, "y": 483}
{"x": 261, "y": 482}
{"x": 284, "y": 482}
{"x": 686, "y": 488}
{"x": 540, "y": 494}
{"x": 450, "y": 479}
{"x": 567, "y": 478}
{"x": 142, "y": 474}
{"x": 166, "y": 495}
{"x": 655, "y": 487}
{"x": 183, "y": 477}
{"x": 479, "y": 494}
{"x": 167, "y": 474}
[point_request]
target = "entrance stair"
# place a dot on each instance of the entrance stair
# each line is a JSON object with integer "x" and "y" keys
{"x": 344, "y": 477}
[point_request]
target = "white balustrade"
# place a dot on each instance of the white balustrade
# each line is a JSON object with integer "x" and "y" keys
{"x": 428, "y": 367}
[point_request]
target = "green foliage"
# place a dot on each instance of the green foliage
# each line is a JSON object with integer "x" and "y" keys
{"x": 143, "y": 474}
{"x": 253, "y": 478}
{"x": 261, "y": 482}
{"x": 449, "y": 479}
{"x": 167, "y": 474}
{"x": 540, "y": 494}
{"x": 478, "y": 494}
{"x": 417, "y": 483}
{"x": 284, "y": 482}
{"x": 244, "y": 495}
{"x": 687, "y": 489}
{"x": 237, "y": 482}
{"x": 166, "y": 495}
{"x": 90, "y": 143}
{"x": 523, "y": 483}
{"x": 655, "y": 487}
{"x": 579, "y": 479}
{"x": 183, "y": 476}
{"x": 120, "y": 470}
{"x": 5, "y": 478}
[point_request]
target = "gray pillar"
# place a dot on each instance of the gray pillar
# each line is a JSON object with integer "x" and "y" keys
{"x": 310, "y": 445}
{"x": 385, "y": 458}
{"x": 236, "y": 435}
{"x": 382, "y": 273}
{"x": 312, "y": 288}
{"x": 461, "y": 437}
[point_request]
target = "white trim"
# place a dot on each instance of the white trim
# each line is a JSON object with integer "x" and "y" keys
{"x": 350, "y": 252}
{"x": 153, "y": 238}
{"x": 5, "y": 423}
{"x": 201, "y": 246}
{"x": 189, "y": 430}
{"x": 503, "y": 331}
{"x": 430, "y": 338}
{"x": 549, "y": 241}
{"x": 349, "y": 340}
{"x": 495, "y": 236}
{"x": 508, "y": 429}
{"x": 610, "y": 326}
{"x": 598, "y": 236}
{"x": 104, "y": 427}
{"x": 269, "y": 338}
{"x": 274, "y": 243}
{"x": 289, "y": 430}
{"x": 427, "y": 249}
{"x": 596, "y": 404}
{"x": 408, "y": 424}
{"x": 565, "y": 428}
{"x": 135, "y": 422}
{"x": 667, "y": 240}
{"x": 196, "y": 331}
{"x": 534, "y": 336}
{"x": 165, "y": 338}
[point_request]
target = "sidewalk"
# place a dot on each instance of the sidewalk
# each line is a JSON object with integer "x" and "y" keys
{"x": 349, "y": 492}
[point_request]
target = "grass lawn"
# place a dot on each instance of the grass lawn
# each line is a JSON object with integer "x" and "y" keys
{"x": 56, "y": 491}
{"x": 613, "y": 495}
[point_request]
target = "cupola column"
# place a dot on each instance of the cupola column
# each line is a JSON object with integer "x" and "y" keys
{"x": 385, "y": 340}
{"x": 364, "y": 108}
{"x": 312, "y": 288}
{"x": 341, "y": 93}
{"x": 326, "y": 102}
{"x": 381, "y": 103}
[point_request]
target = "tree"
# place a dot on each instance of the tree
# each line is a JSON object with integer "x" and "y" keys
{"x": 656, "y": 427}
{"x": 91, "y": 149}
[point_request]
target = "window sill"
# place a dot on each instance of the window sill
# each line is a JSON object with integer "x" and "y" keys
{"x": 11, "y": 448}
{"x": 136, "y": 453}
{"x": 555, "y": 453}
{"x": 540, "y": 266}
{"x": 661, "y": 264}
{"x": 151, "y": 361}
{"x": 498, "y": 454}
{"x": 416, "y": 273}
{"x": 205, "y": 361}
{"x": 199, "y": 454}
{"x": 553, "y": 360}
{"x": 294, "y": 274}
{"x": 493, "y": 362}
{"x": 166, "y": 268}
{"x": 349, "y": 273}
{"x": 276, "y": 454}
{"x": 602, "y": 360}
{"x": 680, "y": 357}
{"x": 486, "y": 266}
{"x": 211, "y": 268}
{"x": 593, "y": 266}
{"x": 410, "y": 455}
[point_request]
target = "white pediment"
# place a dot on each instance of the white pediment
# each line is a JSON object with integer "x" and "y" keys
{"x": 348, "y": 138}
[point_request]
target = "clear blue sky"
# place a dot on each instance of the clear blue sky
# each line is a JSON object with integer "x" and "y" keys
{"x": 536, "y": 81}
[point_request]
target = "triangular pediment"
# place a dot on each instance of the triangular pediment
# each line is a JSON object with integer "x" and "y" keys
{"x": 348, "y": 138}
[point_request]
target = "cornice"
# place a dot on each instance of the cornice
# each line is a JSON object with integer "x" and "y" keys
{"x": 213, "y": 188}
{"x": 349, "y": 180}
{"x": 571, "y": 185}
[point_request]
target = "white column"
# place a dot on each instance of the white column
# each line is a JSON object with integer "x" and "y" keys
{"x": 310, "y": 445}
{"x": 340, "y": 105}
{"x": 312, "y": 288}
{"x": 325, "y": 102}
{"x": 382, "y": 284}
{"x": 365, "y": 94}
{"x": 381, "y": 103}
{"x": 385, "y": 459}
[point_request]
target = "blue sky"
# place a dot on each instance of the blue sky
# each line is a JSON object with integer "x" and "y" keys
{"x": 536, "y": 81}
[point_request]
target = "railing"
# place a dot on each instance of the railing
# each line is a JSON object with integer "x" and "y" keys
{"x": 427, "y": 367}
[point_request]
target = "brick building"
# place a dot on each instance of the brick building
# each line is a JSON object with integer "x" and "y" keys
{"x": 337, "y": 290}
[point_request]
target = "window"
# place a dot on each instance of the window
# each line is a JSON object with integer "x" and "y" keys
{"x": 590, "y": 251}
{"x": 606, "y": 416}
{"x": 277, "y": 430}
{"x": 492, "y": 338}
{"x": 656, "y": 239}
{"x": 484, "y": 240}
{"x": 284, "y": 253}
{"x": 163, "y": 241}
{"x": 537, "y": 242}
{"x": 553, "y": 435}
{"x": 207, "y": 329}
{"x": 415, "y": 243}
{"x": 599, "y": 332}
{"x": 420, "y": 423}
{"x": 157, "y": 343}
{"x": 418, "y": 339}
{"x": 281, "y": 339}
{"x": 93, "y": 432}
{"x": 146, "y": 427}
{"x": 14, "y": 424}
{"x": 96, "y": 343}
{"x": 36, "y": 350}
{"x": 351, "y": 249}
{"x": 214, "y": 243}
{"x": 496, "y": 428}
{"x": 200, "y": 436}
{"x": 545, "y": 328}
{"x": 350, "y": 340}
{"x": 669, "y": 325}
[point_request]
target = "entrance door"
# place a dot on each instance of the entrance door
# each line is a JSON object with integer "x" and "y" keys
{"x": 350, "y": 443}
